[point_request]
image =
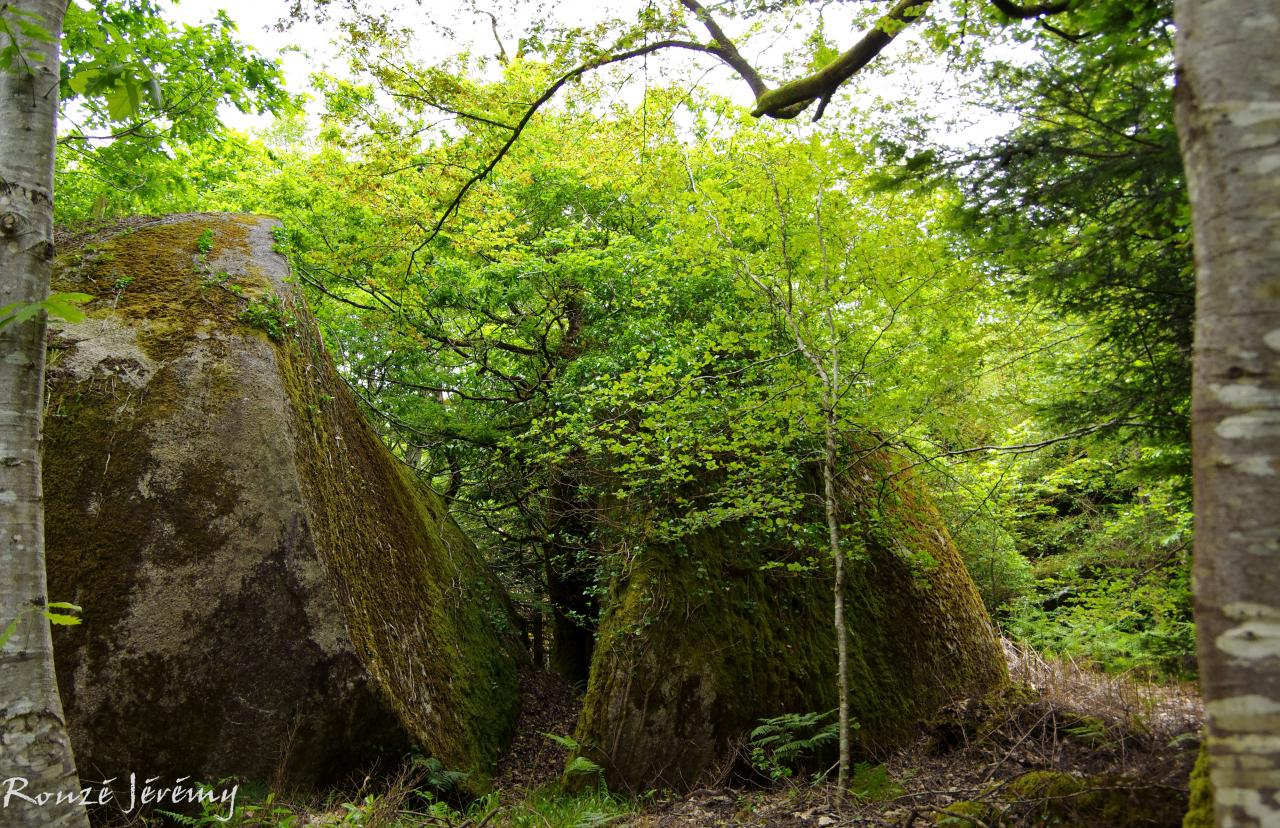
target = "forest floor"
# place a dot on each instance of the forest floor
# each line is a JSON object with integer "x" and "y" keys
{"x": 1073, "y": 747}
{"x": 1064, "y": 746}
{"x": 1067, "y": 746}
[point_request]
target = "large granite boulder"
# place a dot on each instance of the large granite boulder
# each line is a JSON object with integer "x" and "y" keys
{"x": 268, "y": 593}
{"x": 700, "y": 641}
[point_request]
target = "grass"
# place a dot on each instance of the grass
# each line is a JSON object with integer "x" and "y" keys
{"x": 401, "y": 803}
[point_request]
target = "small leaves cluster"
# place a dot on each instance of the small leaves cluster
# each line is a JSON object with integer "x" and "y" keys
{"x": 780, "y": 746}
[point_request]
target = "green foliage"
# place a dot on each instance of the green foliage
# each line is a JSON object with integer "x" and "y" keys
{"x": 65, "y": 618}
{"x": 596, "y": 329}
{"x": 436, "y": 778}
{"x": 140, "y": 96}
{"x": 1111, "y": 555}
{"x": 205, "y": 242}
{"x": 215, "y": 813}
{"x": 1080, "y": 211}
{"x": 267, "y": 313}
{"x": 19, "y": 26}
{"x": 1082, "y": 206}
{"x": 541, "y": 808}
{"x": 783, "y": 744}
{"x": 58, "y": 305}
{"x": 578, "y": 765}
{"x": 550, "y": 808}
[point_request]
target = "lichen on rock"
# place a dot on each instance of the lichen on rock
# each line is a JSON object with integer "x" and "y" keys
{"x": 268, "y": 593}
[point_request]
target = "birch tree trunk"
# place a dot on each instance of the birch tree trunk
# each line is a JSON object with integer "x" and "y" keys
{"x": 35, "y": 754}
{"x": 1228, "y": 106}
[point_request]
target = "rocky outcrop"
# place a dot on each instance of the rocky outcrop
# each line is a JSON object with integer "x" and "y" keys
{"x": 268, "y": 593}
{"x": 700, "y": 641}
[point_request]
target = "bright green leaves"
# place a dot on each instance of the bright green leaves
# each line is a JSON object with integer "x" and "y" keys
{"x": 123, "y": 86}
{"x": 64, "y": 618}
{"x": 139, "y": 93}
{"x": 16, "y": 27}
{"x": 63, "y": 306}
{"x": 127, "y": 55}
{"x": 589, "y": 311}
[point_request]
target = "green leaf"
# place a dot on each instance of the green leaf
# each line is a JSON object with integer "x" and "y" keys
{"x": 19, "y": 312}
{"x": 120, "y": 103}
{"x": 64, "y": 605}
{"x": 34, "y": 31}
{"x": 80, "y": 81}
{"x": 154, "y": 92}
{"x": 581, "y": 764}
{"x": 9, "y": 630}
{"x": 563, "y": 741}
{"x": 63, "y": 306}
{"x": 61, "y": 620}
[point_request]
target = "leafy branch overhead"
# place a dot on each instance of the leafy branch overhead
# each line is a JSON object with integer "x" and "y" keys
{"x": 691, "y": 27}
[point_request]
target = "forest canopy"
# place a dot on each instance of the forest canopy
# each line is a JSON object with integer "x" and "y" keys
{"x": 605, "y": 312}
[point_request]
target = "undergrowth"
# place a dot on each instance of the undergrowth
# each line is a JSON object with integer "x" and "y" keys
{"x": 404, "y": 803}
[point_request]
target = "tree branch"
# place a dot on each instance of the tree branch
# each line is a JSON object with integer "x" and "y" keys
{"x": 792, "y": 98}
{"x": 493, "y": 22}
{"x": 1010, "y": 9}
{"x": 1020, "y": 448}
{"x": 725, "y": 48}
{"x": 547, "y": 94}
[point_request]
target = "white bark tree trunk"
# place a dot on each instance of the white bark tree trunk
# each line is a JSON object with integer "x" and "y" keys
{"x": 1229, "y": 124}
{"x": 830, "y": 506}
{"x": 33, "y": 740}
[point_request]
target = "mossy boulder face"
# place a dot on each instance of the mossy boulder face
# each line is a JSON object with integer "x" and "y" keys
{"x": 268, "y": 593}
{"x": 699, "y": 641}
{"x": 1053, "y": 799}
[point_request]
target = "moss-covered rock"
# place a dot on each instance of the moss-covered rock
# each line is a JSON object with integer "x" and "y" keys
{"x": 268, "y": 594}
{"x": 699, "y": 643}
{"x": 1053, "y": 798}
{"x": 967, "y": 814}
{"x": 1047, "y": 798}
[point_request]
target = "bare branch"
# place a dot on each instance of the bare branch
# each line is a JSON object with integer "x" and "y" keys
{"x": 1010, "y": 9}
{"x": 502, "y": 52}
{"x": 1020, "y": 448}
{"x": 725, "y": 48}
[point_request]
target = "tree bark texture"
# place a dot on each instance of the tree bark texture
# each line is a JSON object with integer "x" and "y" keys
{"x": 1228, "y": 108}
{"x": 33, "y": 738}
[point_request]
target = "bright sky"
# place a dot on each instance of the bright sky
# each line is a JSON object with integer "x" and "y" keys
{"x": 257, "y": 18}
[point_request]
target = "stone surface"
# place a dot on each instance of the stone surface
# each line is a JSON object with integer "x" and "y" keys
{"x": 268, "y": 593}
{"x": 699, "y": 643}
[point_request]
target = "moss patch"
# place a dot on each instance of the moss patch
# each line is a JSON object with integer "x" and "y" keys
{"x": 157, "y": 279}
{"x": 1200, "y": 809}
{"x": 968, "y": 814}
{"x": 1052, "y": 798}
